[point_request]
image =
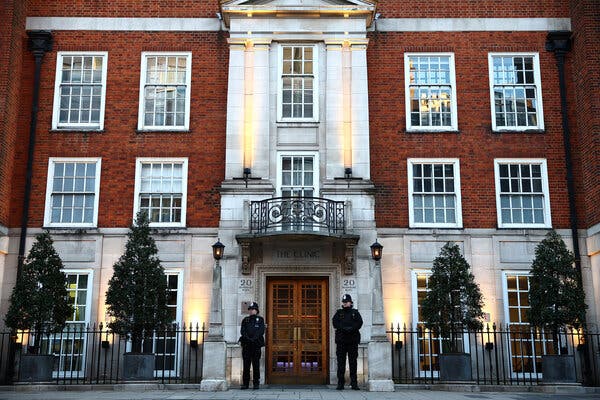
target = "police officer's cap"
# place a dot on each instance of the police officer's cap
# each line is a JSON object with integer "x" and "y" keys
{"x": 346, "y": 298}
{"x": 253, "y": 306}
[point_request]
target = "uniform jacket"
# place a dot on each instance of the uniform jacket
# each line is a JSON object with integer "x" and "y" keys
{"x": 347, "y": 322}
{"x": 252, "y": 331}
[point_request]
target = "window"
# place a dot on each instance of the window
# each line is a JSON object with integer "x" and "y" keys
{"x": 298, "y": 84}
{"x": 297, "y": 177}
{"x": 430, "y": 92}
{"x": 161, "y": 190}
{"x": 516, "y": 92}
{"x": 72, "y": 192}
{"x": 165, "y": 91}
{"x": 434, "y": 193}
{"x": 80, "y": 91}
{"x": 522, "y": 196}
{"x": 69, "y": 347}
{"x": 525, "y": 348}
{"x": 166, "y": 344}
{"x": 428, "y": 344}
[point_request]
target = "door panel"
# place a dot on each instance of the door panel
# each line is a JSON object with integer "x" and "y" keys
{"x": 298, "y": 328}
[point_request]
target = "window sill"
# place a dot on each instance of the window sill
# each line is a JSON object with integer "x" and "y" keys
{"x": 77, "y": 130}
{"x": 517, "y": 131}
{"x": 430, "y": 131}
{"x": 435, "y": 228}
{"x": 143, "y": 131}
{"x": 71, "y": 229}
{"x": 167, "y": 230}
{"x": 298, "y": 124}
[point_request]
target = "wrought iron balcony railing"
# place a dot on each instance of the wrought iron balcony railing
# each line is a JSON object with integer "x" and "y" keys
{"x": 297, "y": 214}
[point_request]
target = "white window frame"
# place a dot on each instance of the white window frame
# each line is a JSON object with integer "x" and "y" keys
{"x": 521, "y": 375}
{"x": 180, "y": 337}
{"x": 458, "y": 205}
{"x": 315, "y": 117}
{"x": 49, "y": 191}
{"x": 57, "y": 84}
{"x": 188, "y": 82}
{"x": 454, "y": 111}
{"x": 538, "y": 84}
{"x": 314, "y": 154}
{"x": 88, "y": 312}
{"x": 545, "y": 189}
{"x": 138, "y": 183}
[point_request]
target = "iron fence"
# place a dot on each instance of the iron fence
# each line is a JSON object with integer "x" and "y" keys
{"x": 93, "y": 354}
{"x": 500, "y": 355}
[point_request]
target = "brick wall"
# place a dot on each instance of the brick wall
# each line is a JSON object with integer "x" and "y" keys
{"x": 473, "y": 9}
{"x": 585, "y": 74}
{"x": 120, "y": 144}
{"x": 126, "y": 8}
{"x": 476, "y": 146}
{"x": 12, "y": 41}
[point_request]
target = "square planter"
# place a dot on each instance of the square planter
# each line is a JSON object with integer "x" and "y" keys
{"x": 36, "y": 368}
{"x": 138, "y": 366}
{"x": 558, "y": 369}
{"x": 455, "y": 367}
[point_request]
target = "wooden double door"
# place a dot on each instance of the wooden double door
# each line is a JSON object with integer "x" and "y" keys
{"x": 297, "y": 338}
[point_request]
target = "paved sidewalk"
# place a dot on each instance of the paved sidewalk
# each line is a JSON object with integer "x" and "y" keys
{"x": 320, "y": 393}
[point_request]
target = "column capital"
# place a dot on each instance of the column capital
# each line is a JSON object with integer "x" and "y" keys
{"x": 244, "y": 42}
{"x": 354, "y": 43}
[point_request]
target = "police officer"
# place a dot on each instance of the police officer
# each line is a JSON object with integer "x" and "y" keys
{"x": 347, "y": 322}
{"x": 252, "y": 339}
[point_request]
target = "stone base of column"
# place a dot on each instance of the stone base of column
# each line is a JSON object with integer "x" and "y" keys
{"x": 213, "y": 385}
{"x": 386, "y": 385}
{"x": 380, "y": 366}
{"x": 214, "y": 368}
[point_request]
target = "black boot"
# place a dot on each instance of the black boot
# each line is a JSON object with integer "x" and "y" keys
{"x": 244, "y": 387}
{"x": 340, "y": 386}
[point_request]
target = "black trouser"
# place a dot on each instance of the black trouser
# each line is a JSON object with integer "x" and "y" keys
{"x": 352, "y": 350}
{"x": 251, "y": 355}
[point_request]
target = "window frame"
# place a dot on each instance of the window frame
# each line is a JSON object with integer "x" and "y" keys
{"x": 49, "y": 192}
{"x": 454, "y": 112}
{"x": 315, "y": 117}
{"x": 538, "y": 85}
{"x": 545, "y": 191}
{"x": 159, "y": 373}
{"x": 142, "y": 101}
{"x": 316, "y": 175}
{"x": 184, "y": 180}
{"x": 457, "y": 192}
{"x": 56, "y": 125}
{"x": 88, "y": 313}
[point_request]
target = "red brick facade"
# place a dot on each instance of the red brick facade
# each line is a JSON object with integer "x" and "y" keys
{"x": 475, "y": 145}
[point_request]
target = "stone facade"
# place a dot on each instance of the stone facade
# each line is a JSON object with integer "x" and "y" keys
{"x": 354, "y": 147}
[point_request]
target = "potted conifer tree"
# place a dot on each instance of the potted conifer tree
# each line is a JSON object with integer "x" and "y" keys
{"x": 452, "y": 304}
{"x": 557, "y": 301}
{"x": 137, "y": 299}
{"x": 39, "y": 304}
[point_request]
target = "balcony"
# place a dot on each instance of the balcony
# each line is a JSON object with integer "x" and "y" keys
{"x": 297, "y": 214}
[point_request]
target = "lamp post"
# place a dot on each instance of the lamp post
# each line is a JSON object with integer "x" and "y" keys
{"x": 214, "y": 373}
{"x": 380, "y": 371}
{"x": 215, "y": 329}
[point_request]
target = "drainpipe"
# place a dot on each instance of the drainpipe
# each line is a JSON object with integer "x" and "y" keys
{"x": 39, "y": 43}
{"x": 559, "y": 42}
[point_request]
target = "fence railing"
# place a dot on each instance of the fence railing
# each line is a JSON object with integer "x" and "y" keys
{"x": 94, "y": 355}
{"x": 298, "y": 214}
{"x": 500, "y": 355}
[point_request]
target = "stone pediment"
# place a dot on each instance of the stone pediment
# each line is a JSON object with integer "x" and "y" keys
{"x": 296, "y": 8}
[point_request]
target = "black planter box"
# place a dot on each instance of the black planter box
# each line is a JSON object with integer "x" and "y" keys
{"x": 138, "y": 366}
{"x": 558, "y": 369}
{"x": 36, "y": 368}
{"x": 455, "y": 367}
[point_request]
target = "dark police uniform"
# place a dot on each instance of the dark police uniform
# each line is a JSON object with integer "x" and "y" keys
{"x": 252, "y": 339}
{"x": 347, "y": 322}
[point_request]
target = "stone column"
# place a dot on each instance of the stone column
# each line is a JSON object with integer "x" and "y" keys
{"x": 334, "y": 111}
{"x": 214, "y": 368}
{"x": 360, "y": 106}
{"x": 380, "y": 352}
{"x": 260, "y": 108}
{"x": 234, "y": 156}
